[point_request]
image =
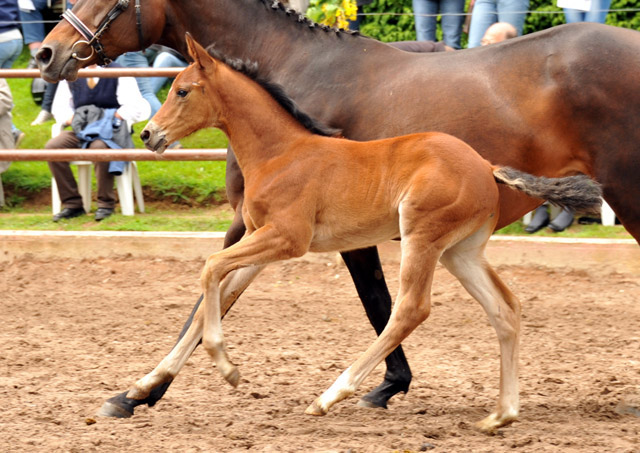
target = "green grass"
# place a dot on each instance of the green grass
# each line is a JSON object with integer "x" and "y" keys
{"x": 574, "y": 231}
{"x": 154, "y": 219}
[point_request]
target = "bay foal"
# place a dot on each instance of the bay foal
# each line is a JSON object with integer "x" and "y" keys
{"x": 307, "y": 191}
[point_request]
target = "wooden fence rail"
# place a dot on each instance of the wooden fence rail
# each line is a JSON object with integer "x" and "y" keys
{"x": 107, "y": 155}
{"x": 97, "y": 72}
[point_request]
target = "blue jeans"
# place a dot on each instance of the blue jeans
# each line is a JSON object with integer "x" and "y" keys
{"x": 487, "y": 12}
{"x": 9, "y": 51}
{"x": 33, "y": 32}
{"x": 598, "y": 13}
{"x": 165, "y": 60}
{"x": 138, "y": 60}
{"x": 426, "y": 12}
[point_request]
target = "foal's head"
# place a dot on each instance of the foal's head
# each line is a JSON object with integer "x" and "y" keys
{"x": 192, "y": 103}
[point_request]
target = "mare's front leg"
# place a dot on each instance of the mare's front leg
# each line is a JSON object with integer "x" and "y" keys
{"x": 366, "y": 271}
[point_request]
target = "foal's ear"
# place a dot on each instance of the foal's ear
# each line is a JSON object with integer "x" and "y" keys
{"x": 199, "y": 54}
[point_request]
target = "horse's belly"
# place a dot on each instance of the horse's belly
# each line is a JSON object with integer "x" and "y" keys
{"x": 328, "y": 238}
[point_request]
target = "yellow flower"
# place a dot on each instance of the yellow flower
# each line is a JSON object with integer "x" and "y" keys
{"x": 350, "y": 9}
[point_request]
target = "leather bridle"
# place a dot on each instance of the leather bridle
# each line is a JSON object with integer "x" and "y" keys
{"x": 93, "y": 39}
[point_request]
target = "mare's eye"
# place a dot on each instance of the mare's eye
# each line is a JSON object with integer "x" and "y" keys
{"x": 182, "y": 93}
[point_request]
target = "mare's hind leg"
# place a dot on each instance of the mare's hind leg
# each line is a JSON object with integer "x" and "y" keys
{"x": 411, "y": 308}
{"x": 466, "y": 261}
{"x": 366, "y": 271}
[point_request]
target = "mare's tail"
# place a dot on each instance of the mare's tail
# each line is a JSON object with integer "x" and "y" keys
{"x": 579, "y": 193}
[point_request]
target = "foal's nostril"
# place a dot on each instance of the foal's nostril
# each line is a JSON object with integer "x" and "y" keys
{"x": 43, "y": 56}
{"x": 145, "y": 135}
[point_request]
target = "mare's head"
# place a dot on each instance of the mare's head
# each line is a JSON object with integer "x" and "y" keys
{"x": 96, "y": 31}
{"x": 191, "y": 103}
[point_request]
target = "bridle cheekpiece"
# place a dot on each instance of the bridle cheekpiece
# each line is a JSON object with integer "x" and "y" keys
{"x": 93, "y": 39}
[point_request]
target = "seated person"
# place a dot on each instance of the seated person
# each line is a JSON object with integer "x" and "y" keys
{"x": 100, "y": 113}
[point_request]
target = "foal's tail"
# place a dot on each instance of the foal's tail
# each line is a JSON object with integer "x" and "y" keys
{"x": 579, "y": 193}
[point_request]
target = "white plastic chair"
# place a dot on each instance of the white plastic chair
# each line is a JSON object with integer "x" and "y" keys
{"x": 4, "y": 165}
{"x": 127, "y": 184}
{"x": 607, "y": 215}
{"x": 1, "y": 192}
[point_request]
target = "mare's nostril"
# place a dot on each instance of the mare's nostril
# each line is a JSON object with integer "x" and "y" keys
{"x": 145, "y": 135}
{"x": 43, "y": 56}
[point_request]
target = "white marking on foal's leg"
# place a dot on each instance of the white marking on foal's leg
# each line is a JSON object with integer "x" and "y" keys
{"x": 171, "y": 365}
{"x": 342, "y": 388}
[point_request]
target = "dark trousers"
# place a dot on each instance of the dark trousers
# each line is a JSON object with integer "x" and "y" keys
{"x": 67, "y": 185}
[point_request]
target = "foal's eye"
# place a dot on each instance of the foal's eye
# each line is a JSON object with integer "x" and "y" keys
{"x": 182, "y": 93}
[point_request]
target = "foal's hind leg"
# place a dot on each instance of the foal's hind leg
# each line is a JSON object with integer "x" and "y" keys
{"x": 466, "y": 261}
{"x": 412, "y": 307}
{"x": 366, "y": 271}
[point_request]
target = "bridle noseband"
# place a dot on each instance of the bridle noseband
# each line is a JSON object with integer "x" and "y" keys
{"x": 93, "y": 40}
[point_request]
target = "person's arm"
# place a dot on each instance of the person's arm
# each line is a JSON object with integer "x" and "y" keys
{"x": 6, "y": 101}
{"x": 62, "y": 108}
{"x": 133, "y": 107}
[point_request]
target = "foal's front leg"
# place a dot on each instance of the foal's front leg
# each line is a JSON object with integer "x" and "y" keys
{"x": 261, "y": 247}
{"x": 162, "y": 375}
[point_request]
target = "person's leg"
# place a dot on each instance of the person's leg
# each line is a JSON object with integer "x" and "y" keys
{"x": 571, "y": 16}
{"x": 483, "y": 16}
{"x": 425, "y": 16}
{"x": 354, "y": 25}
{"x": 106, "y": 192}
{"x": 540, "y": 219}
{"x": 164, "y": 60}
{"x": 138, "y": 60}
{"x": 9, "y": 52}
{"x": 598, "y": 12}
{"x": 513, "y": 12}
{"x": 61, "y": 171}
{"x": 33, "y": 25}
{"x": 452, "y": 20}
{"x": 47, "y": 102}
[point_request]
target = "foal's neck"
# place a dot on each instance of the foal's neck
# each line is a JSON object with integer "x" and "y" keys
{"x": 258, "y": 127}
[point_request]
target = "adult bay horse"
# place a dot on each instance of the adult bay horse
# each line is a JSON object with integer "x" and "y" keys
{"x": 554, "y": 103}
{"x": 430, "y": 189}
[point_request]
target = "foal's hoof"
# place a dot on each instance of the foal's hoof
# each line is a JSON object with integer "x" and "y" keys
{"x": 315, "y": 409}
{"x": 233, "y": 377}
{"x": 112, "y": 410}
{"x": 494, "y": 421}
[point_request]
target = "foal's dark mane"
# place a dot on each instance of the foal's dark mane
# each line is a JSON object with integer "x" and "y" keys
{"x": 301, "y": 18}
{"x": 250, "y": 69}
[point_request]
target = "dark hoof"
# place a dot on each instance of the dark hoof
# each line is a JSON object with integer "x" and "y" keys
{"x": 369, "y": 404}
{"x": 111, "y": 410}
{"x": 379, "y": 396}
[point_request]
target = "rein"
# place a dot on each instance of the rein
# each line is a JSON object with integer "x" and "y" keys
{"x": 93, "y": 40}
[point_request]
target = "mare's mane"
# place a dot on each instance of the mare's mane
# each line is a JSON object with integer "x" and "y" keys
{"x": 276, "y": 5}
{"x": 250, "y": 69}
